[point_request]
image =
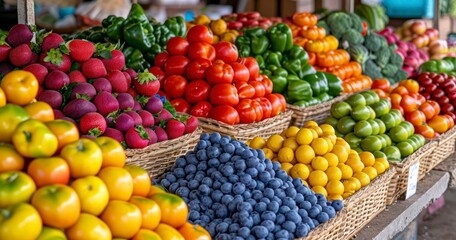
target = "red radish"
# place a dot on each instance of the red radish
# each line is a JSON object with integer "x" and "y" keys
{"x": 154, "y": 105}
{"x": 164, "y": 115}
{"x": 58, "y": 114}
{"x": 84, "y": 90}
{"x": 81, "y": 50}
{"x": 174, "y": 129}
{"x": 124, "y": 122}
{"x": 77, "y": 76}
{"x": 55, "y": 60}
{"x": 161, "y": 134}
{"x": 137, "y": 106}
{"x": 106, "y": 103}
{"x": 70, "y": 120}
{"x": 4, "y": 52}
{"x": 137, "y": 137}
{"x": 20, "y": 55}
{"x": 411, "y": 61}
{"x": 127, "y": 78}
{"x": 93, "y": 68}
{"x": 191, "y": 124}
{"x": 147, "y": 118}
{"x": 136, "y": 118}
{"x": 102, "y": 84}
{"x": 52, "y": 40}
{"x": 152, "y": 136}
{"x": 92, "y": 124}
{"x": 19, "y": 34}
{"x": 56, "y": 80}
{"x": 118, "y": 81}
{"x": 38, "y": 70}
{"x": 76, "y": 108}
{"x": 126, "y": 101}
{"x": 146, "y": 84}
{"x": 109, "y": 120}
{"x": 114, "y": 133}
{"x": 51, "y": 97}
{"x": 133, "y": 73}
{"x": 116, "y": 62}
{"x": 6, "y": 67}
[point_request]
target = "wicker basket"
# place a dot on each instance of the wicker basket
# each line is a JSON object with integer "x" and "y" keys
{"x": 399, "y": 183}
{"x": 157, "y": 158}
{"x": 244, "y": 132}
{"x": 427, "y": 162}
{"x": 316, "y": 113}
{"x": 445, "y": 147}
{"x": 359, "y": 210}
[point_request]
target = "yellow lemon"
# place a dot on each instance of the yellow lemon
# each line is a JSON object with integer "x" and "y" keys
{"x": 330, "y": 144}
{"x": 320, "y": 146}
{"x": 334, "y": 173}
{"x": 319, "y": 163}
{"x": 352, "y": 151}
{"x": 346, "y": 170}
{"x": 305, "y": 154}
{"x": 291, "y": 131}
{"x": 349, "y": 186}
{"x": 257, "y": 143}
{"x": 318, "y": 130}
{"x": 305, "y": 183}
{"x": 333, "y": 197}
{"x": 331, "y": 137}
{"x": 326, "y": 128}
{"x": 332, "y": 159}
{"x": 367, "y": 158}
{"x": 286, "y": 154}
{"x": 291, "y": 143}
{"x": 275, "y": 142}
{"x": 268, "y": 153}
{"x": 379, "y": 167}
{"x": 363, "y": 178}
{"x": 318, "y": 178}
{"x": 286, "y": 167}
{"x": 346, "y": 195}
{"x": 356, "y": 182}
{"x": 309, "y": 167}
{"x": 320, "y": 189}
{"x": 335, "y": 187}
{"x": 384, "y": 162}
{"x": 355, "y": 164}
{"x": 314, "y": 133}
{"x": 310, "y": 124}
{"x": 341, "y": 153}
{"x": 304, "y": 136}
{"x": 299, "y": 171}
{"x": 342, "y": 142}
{"x": 371, "y": 171}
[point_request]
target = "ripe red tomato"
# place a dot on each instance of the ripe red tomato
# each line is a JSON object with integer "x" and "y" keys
{"x": 45, "y": 171}
{"x": 201, "y": 109}
{"x": 267, "y": 83}
{"x": 224, "y": 94}
{"x": 174, "y": 86}
{"x": 226, "y": 114}
{"x": 436, "y": 106}
{"x": 246, "y": 113}
{"x": 176, "y": 65}
{"x": 283, "y": 101}
{"x": 200, "y": 33}
{"x": 181, "y": 105}
{"x": 408, "y": 103}
{"x": 447, "y": 108}
{"x": 276, "y": 104}
{"x": 256, "y": 105}
{"x": 245, "y": 90}
{"x": 201, "y": 50}
{"x": 428, "y": 110}
{"x": 241, "y": 72}
{"x": 416, "y": 117}
{"x": 226, "y": 52}
{"x": 219, "y": 72}
{"x": 177, "y": 46}
{"x": 251, "y": 64}
{"x": 260, "y": 91}
{"x": 266, "y": 106}
{"x": 161, "y": 59}
{"x": 197, "y": 91}
{"x": 196, "y": 69}
{"x": 382, "y": 84}
{"x": 158, "y": 72}
{"x": 425, "y": 130}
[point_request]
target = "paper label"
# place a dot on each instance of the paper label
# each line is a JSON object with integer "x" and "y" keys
{"x": 412, "y": 180}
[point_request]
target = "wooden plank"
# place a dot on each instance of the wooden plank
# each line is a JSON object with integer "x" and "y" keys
{"x": 436, "y": 19}
{"x": 26, "y": 11}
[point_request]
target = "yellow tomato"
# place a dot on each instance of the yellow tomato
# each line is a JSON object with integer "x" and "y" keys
{"x": 151, "y": 213}
{"x": 218, "y": 27}
{"x": 48, "y": 233}
{"x": 145, "y": 234}
{"x": 20, "y": 221}
{"x": 40, "y": 111}
{"x": 154, "y": 189}
{"x": 123, "y": 218}
{"x": 141, "y": 180}
{"x": 89, "y": 227}
{"x": 174, "y": 210}
{"x": 118, "y": 181}
{"x": 10, "y": 159}
{"x": 167, "y": 232}
{"x": 15, "y": 187}
{"x": 113, "y": 152}
{"x": 2, "y": 98}
{"x": 33, "y": 139}
{"x": 194, "y": 232}
{"x": 93, "y": 194}
{"x": 84, "y": 157}
{"x": 20, "y": 87}
{"x": 65, "y": 131}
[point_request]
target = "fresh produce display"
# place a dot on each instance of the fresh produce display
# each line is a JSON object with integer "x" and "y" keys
{"x": 431, "y": 115}
{"x": 248, "y": 20}
{"x": 368, "y": 123}
{"x": 87, "y": 84}
{"x": 374, "y": 16}
{"x": 371, "y": 50}
{"x": 141, "y": 37}
{"x": 287, "y": 66}
{"x": 321, "y": 160}
{"x": 218, "y": 27}
{"x": 446, "y": 65}
{"x": 234, "y": 192}
{"x": 323, "y": 52}
{"x": 416, "y": 32}
{"x": 54, "y": 184}
{"x": 208, "y": 80}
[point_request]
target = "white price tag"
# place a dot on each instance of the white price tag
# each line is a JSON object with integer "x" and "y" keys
{"x": 412, "y": 180}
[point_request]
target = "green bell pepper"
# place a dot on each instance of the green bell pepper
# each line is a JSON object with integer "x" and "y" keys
{"x": 259, "y": 44}
{"x": 279, "y": 80}
{"x": 260, "y": 61}
{"x": 255, "y": 32}
{"x": 273, "y": 58}
{"x": 138, "y": 32}
{"x": 297, "y": 52}
{"x": 334, "y": 84}
{"x": 176, "y": 25}
{"x": 113, "y": 27}
{"x": 307, "y": 103}
{"x": 437, "y": 66}
{"x": 293, "y": 66}
{"x": 318, "y": 83}
{"x": 243, "y": 45}
{"x": 292, "y": 77}
{"x": 307, "y": 69}
{"x": 324, "y": 97}
{"x": 299, "y": 90}
{"x": 281, "y": 37}
{"x": 135, "y": 59}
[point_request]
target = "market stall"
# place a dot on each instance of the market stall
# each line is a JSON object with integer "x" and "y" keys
{"x": 243, "y": 127}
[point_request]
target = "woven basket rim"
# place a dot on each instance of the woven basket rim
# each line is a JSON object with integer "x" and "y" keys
{"x": 223, "y": 125}
{"x": 320, "y": 105}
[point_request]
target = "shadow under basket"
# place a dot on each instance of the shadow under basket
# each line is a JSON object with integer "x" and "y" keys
{"x": 244, "y": 132}
{"x": 158, "y": 157}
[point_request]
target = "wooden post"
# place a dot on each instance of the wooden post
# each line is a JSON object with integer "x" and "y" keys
{"x": 349, "y": 5}
{"x": 436, "y": 19}
{"x": 26, "y": 11}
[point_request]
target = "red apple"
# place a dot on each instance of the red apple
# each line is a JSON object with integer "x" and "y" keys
{"x": 443, "y": 100}
{"x": 418, "y": 27}
{"x": 447, "y": 107}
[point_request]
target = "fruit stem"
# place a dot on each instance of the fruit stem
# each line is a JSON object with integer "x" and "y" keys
{"x": 6, "y": 214}
{"x": 80, "y": 146}
{"x": 28, "y": 135}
